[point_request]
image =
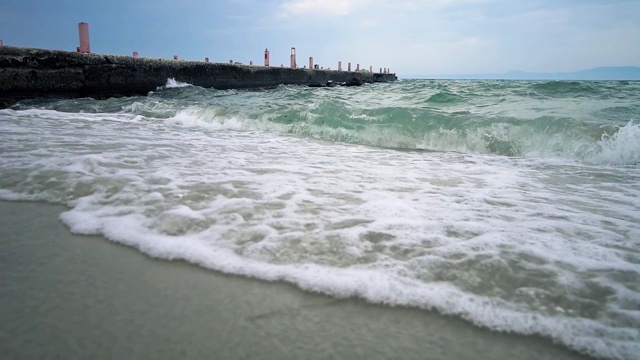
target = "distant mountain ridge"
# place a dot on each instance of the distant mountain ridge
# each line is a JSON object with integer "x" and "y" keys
{"x": 599, "y": 73}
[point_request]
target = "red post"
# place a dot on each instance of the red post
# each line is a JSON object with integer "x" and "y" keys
{"x": 83, "y": 32}
{"x": 266, "y": 57}
{"x": 293, "y": 58}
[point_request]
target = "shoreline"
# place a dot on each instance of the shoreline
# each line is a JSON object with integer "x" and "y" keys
{"x": 77, "y": 296}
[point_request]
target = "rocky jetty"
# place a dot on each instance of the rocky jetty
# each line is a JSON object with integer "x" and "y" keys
{"x": 33, "y": 73}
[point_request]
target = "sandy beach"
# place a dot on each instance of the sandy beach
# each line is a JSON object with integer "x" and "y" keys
{"x": 68, "y": 296}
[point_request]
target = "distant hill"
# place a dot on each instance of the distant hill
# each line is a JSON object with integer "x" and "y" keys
{"x": 600, "y": 73}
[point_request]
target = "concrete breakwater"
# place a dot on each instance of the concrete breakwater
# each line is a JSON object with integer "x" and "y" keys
{"x": 27, "y": 73}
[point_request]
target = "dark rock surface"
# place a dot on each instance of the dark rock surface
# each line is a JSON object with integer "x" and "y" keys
{"x": 27, "y": 73}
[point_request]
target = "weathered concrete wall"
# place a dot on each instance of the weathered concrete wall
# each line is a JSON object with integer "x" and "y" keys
{"x": 31, "y": 73}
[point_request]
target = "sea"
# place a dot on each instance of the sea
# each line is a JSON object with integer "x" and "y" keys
{"x": 513, "y": 205}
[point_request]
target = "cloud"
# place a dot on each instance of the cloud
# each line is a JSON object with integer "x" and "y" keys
{"x": 320, "y": 7}
{"x": 338, "y": 8}
{"x": 462, "y": 36}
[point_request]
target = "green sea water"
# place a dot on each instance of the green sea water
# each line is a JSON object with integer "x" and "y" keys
{"x": 513, "y": 205}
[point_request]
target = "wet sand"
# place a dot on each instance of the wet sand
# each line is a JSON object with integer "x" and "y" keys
{"x": 68, "y": 296}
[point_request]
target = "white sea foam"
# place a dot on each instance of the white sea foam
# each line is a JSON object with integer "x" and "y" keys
{"x": 210, "y": 118}
{"x": 538, "y": 246}
{"x": 172, "y": 83}
{"x": 623, "y": 147}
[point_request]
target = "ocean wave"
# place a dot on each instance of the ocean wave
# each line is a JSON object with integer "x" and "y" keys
{"x": 621, "y": 147}
{"x": 483, "y": 117}
{"x": 399, "y": 128}
{"x": 444, "y": 98}
{"x": 515, "y": 223}
{"x": 565, "y": 88}
{"x": 401, "y": 229}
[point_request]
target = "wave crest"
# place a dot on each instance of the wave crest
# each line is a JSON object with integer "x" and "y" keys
{"x": 172, "y": 83}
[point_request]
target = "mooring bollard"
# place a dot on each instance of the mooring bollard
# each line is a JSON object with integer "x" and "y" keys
{"x": 293, "y": 58}
{"x": 266, "y": 57}
{"x": 83, "y": 34}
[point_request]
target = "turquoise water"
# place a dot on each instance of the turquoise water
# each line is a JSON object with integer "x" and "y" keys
{"x": 511, "y": 204}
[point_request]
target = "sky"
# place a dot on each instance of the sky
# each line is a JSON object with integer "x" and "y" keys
{"x": 411, "y": 37}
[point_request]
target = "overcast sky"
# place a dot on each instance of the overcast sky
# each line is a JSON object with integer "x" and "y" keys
{"x": 412, "y": 37}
